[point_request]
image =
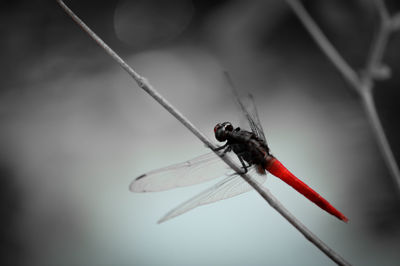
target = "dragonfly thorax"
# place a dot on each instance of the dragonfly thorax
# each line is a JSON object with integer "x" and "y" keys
{"x": 245, "y": 144}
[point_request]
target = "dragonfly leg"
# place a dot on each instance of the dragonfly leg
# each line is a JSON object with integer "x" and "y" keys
{"x": 243, "y": 164}
{"x": 222, "y": 147}
{"x": 226, "y": 147}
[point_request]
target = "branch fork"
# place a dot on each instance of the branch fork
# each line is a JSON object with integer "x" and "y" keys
{"x": 362, "y": 83}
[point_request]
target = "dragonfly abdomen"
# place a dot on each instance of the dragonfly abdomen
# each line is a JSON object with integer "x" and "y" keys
{"x": 275, "y": 167}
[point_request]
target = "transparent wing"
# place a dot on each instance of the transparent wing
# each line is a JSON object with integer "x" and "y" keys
{"x": 249, "y": 111}
{"x": 197, "y": 170}
{"x": 229, "y": 187}
{"x": 253, "y": 113}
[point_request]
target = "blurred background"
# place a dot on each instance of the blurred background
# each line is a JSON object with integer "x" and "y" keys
{"x": 76, "y": 130}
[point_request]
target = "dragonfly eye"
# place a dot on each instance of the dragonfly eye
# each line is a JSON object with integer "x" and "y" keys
{"x": 217, "y": 127}
{"x": 219, "y": 131}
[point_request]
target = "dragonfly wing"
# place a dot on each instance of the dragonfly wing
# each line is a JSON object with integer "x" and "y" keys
{"x": 197, "y": 170}
{"x": 229, "y": 187}
{"x": 251, "y": 116}
{"x": 253, "y": 113}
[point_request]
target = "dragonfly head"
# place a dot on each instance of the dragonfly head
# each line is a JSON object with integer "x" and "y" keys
{"x": 221, "y": 130}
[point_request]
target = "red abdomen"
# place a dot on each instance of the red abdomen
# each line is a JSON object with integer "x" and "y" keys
{"x": 275, "y": 167}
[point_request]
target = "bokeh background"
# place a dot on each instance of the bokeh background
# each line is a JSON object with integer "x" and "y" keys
{"x": 76, "y": 130}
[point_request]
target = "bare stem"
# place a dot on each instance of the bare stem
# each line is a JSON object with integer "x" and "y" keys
{"x": 364, "y": 85}
{"x": 324, "y": 43}
{"x": 373, "y": 117}
{"x": 265, "y": 193}
{"x": 374, "y": 59}
{"x": 382, "y": 9}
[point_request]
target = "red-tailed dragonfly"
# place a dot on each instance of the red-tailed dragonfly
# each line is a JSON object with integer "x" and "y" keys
{"x": 249, "y": 147}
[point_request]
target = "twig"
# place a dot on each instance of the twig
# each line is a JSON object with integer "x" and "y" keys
{"x": 374, "y": 68}
{"x": 265, "y": 193}
{"x": 325, "y": 44}
{"x": 362, "y": 85}
{"x": 373, "y": 117}
{"x": 382, "y": 9}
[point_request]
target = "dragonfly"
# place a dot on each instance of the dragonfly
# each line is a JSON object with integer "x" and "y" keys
{"x": 251, "y": 150}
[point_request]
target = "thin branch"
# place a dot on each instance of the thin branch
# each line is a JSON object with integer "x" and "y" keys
{"x": 265, "y": 193}
{"x": 324, "y": 43}
{"x": 374, "y": 67}
{"x": 373, "y": 117}
{"x": 382, "y": 9}
{"x": 364, "y": 85}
